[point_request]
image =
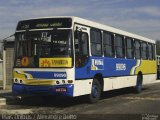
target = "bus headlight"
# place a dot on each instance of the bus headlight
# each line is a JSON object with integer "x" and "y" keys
{"x": 57, "y": 82}
{"x": 16, "y": 80}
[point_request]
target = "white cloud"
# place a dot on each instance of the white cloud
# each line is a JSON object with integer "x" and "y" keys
{"x": 153, "y": 11}
{"x": 140, "y": 20}
{"x": 16, "y": 2}
{"x": 143, "y": 20}
{"x": 11, "y": 15}
{"x": 57, "y": 11}
{"x": 145, "y": 27}
{"x": 147, "y": 10}
{"x": 24, "y": 12}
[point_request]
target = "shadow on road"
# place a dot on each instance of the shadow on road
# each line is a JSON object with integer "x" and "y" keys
{"x": 119, "y": 92}
{"x": 62, "y": 102}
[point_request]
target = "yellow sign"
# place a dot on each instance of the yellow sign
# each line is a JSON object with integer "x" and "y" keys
{"x": 55, "y": 62}
{"x": 25, "y": 61}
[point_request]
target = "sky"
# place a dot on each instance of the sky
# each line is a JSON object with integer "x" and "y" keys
{"x": 141, "y": 17}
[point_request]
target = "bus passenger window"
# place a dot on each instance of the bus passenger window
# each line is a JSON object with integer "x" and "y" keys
{"x": 137, "y": 50}
{"x": 84, "y": 43}
{"x": 144, "y": 50}
{"x": 129, "y": 48}
{"x": 153, "y": 51}
{"x": 119, "y": 46}
{"x": 96, "y": 42}
{"x": 150, "y": 55}
{"x": 81, "y": 48}
{"x": 108, "y": 44}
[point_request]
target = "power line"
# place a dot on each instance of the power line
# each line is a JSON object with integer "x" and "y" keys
{"x": 7, "y": 38}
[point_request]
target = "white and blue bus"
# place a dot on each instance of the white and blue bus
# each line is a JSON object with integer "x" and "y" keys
{"x": 71, "y": 56}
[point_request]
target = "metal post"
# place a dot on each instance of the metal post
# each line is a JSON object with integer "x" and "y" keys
{"x": 4, "y": 68}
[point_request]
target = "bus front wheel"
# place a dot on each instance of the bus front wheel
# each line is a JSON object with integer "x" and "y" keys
{"x": 95, "y": 91}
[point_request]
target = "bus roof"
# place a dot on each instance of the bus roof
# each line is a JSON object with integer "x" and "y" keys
{"x": 100, "y": 26}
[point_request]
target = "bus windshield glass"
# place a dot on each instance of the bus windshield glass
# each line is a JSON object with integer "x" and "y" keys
{"x": 31, "y": 46}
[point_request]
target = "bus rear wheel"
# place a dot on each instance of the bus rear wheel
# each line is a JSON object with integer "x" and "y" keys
{"x": 138, "y": 87}
{"x": 95, "y": 91}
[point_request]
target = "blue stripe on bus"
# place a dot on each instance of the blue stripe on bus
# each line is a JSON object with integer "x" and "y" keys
{"x": 47, "y": 75}
{"x": 106, "y": 66}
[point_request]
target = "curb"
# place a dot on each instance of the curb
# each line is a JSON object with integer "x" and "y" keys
{"x": 7, "y": 100}
{"x": 6, "y": 97}
{"x": 3, "y": 101}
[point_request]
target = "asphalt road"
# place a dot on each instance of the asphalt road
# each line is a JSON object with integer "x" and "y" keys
{"x": 117, "y": 104}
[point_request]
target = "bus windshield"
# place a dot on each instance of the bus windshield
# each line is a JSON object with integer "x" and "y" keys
{"x": 33, "y": 45}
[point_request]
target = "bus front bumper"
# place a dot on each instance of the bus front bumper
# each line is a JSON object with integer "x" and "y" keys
{"x": 64, "y": 90}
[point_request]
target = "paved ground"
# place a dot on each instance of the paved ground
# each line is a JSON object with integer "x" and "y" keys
{"x": 121, "y": 104}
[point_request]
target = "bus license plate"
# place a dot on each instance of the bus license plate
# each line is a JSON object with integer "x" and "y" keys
{"x": 61, "y": 90}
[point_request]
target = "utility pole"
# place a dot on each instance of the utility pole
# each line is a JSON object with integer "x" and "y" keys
{"x": 4, "y": 65}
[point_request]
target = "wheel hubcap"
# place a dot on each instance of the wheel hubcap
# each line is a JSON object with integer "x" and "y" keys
{"x": 94, "y": 91}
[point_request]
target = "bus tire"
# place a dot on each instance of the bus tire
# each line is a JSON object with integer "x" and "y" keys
{"x": 138, "y": 87}
{"x": 95, "y": 91}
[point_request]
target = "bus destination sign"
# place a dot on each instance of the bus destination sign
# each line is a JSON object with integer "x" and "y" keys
{"x": 45, "y": 23}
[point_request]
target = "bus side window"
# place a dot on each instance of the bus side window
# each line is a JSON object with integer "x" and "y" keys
{"x": 108, "y": 44}
{"x": 119, "y": 46}
{"x": 81, "y": 48}
{"x": 153, "y": 51}
{"x": 96, "y": 42}
{"x": 137, "y": 49}
{"x": 150, "y": 55}
{"x": 76, "y": 42}
{"x": 129, "y": 48}
{"x": 144, "y": 50}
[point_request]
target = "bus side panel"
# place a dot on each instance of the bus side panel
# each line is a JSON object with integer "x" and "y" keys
{"x": 150, "y": 78}
{"x": 82, "y": 87}
{"x": 108, "y": 67}
{"x": 119, "y": 82}
{"x": 117, "y": 73}
{"x": 147, "y": 67}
